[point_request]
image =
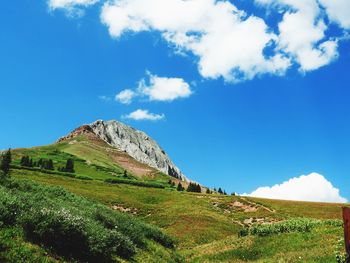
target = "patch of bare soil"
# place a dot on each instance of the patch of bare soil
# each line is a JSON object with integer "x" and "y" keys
{"x": 128, "y": 210}
{"x": 130, "y": 164}
{"x": 258, "y": 205}
{"x": 245, "y": 207}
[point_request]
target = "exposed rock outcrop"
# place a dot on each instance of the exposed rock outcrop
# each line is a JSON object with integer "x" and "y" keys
{"x": 135, "y": 143}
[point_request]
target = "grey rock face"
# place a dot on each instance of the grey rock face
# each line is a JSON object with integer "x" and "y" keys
{"x": 137, "y": 144}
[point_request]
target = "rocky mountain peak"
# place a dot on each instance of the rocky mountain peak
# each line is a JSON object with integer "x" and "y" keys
{"x": 134, "y": 142}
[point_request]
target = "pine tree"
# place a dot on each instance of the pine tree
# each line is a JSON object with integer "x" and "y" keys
{"x": 26, "y": 161}
{"x": 180, "y": 187}
{"x": 125, "y": 174}
{"x": 220, "y": 191}
{"x": 208, "y": 191}
{"x": 50, "y": 165}
{"x": 70, "y": 166}
{"x": 6, "y": 162}
{"x": 193, "y": 187}
{"x": 190, "y": 188}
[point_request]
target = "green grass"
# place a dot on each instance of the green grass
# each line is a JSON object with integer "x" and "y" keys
{"x": 206, "y": 227}
{"x": 14, "y": 248}
{"x": 74, "y": 227}
{"x": 193, "y": 219}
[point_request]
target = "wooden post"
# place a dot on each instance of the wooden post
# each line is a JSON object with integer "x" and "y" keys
{"x": 346, "y": 219}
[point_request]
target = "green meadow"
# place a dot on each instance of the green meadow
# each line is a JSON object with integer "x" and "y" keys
{"x": 145, "y": 219}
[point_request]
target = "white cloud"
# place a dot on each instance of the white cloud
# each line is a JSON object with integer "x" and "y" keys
{"x": 72, "y": 8}
{"x": 125, "y": 96}
{"x": 312, "y": 187}
{"x": 54, "y": 4}
{"x": 302, "y": 33}
{"x": 164, "y": 89}
{"x": 227, "y": 42}
{"x": 338, "y": 11}
{"x": 140, "y": 115}
{"x": 156, "y": 89}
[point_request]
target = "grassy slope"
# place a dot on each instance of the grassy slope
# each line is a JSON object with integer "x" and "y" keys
{"x": 206, "y": 226}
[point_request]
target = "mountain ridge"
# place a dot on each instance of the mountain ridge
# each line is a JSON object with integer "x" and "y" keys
{"x": 135, "y": 143}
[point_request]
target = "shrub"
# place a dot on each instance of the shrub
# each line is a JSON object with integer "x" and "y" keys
{"x": 74, "y": 236}
{"x": 72, "y": 226}
{"x": 134, "y": 182}
{"x": 10, "y": 207}
{"x": 293, "y": 225}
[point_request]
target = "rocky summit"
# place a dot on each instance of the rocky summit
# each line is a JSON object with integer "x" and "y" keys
{"x": 135, "y": 143}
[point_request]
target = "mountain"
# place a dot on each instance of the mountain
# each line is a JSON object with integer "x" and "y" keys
{"x": 135, "y": 143}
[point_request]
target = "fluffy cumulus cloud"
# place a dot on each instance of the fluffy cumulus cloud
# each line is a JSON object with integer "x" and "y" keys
{"x": 156, "y": 88}
{"x": 163, "y": 88}
{"x": 141, "y": 115}
{"x": 227, "y": 42}
{"x": 338, "y": 11}
{"x": 312, "y": 187}
{"x": 302, "y": 33}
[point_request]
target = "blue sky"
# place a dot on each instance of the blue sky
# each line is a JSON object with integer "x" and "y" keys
{"x": 233, "y": 118}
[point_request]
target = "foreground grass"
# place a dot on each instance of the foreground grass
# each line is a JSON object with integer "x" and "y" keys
{"x": 314, "y": 246}
{"x": 73, "y": 227}
{"x": 206, "y": 227}
{"x": 14, "y": 248}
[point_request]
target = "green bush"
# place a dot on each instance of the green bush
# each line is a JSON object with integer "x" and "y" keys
{"x": 10, "y": 207}
{"x": 72, "y": 226}
{"x": 134, "y": 182}
{"x": 293, "y": 225}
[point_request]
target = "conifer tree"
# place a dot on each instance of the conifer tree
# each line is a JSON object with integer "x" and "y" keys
{"x": 180, "y": 187}
{"x": 70, "y": 166}
{"x": 6, "y": 162}
{"x": 220, "y": 191}
{"x": 193, "y": 187}
{"x": 50, "y": 165}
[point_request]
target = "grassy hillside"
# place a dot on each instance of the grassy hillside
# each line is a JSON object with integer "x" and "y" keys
{"x": 205, "y": 227}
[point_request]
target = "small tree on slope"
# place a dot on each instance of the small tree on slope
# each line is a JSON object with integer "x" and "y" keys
{"x": 6, "y": 162}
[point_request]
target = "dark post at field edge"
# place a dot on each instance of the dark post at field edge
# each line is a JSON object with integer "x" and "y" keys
{"x": 346, "y": 218}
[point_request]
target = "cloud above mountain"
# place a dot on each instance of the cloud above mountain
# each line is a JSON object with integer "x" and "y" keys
{"x": 143, "y": 115}
{"x": 312, "y": 187}
{"x": 227, "y": 42}
{"x": 156, "y": 88}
